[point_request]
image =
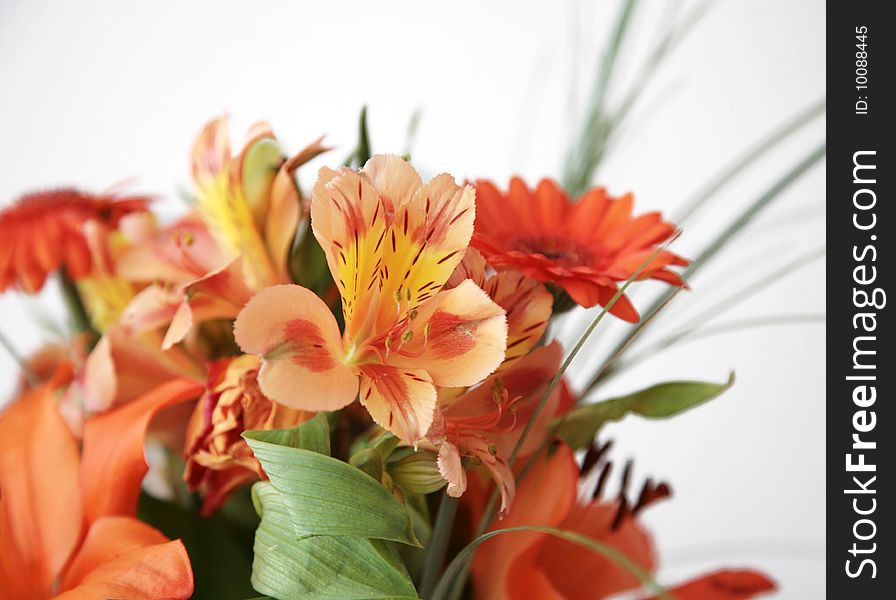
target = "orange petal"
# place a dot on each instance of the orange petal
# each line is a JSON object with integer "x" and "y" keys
{"x": 524, "y": 580}
{"x": 427, "y": 239}
{"x": 528, "y": 305}
{"x": 113, "y": 464}
{"x": 400, "y": 400}
{"x": 458, "y": 337}
{"x": 211, "y": 150}
{"x": 577, "y": 572}
{"x": 349, "y": 220}
{"x": 298, "y": 339}
{"x": 451, "y": 470}
{"x": 557, "y": 472}
{"x": 725, "y": 585}
{"x": 124, "y": 558}
{"x": 286, "y": 207}
{"x": 40, "y": 505}
{"x": 394, "y": 177}
{"x": 472, "y": 266}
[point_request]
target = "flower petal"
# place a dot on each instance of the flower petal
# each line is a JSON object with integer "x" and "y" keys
{"x": 40, "y": 505}
{"x": 349, "y": 219}
{"x": 574, "y": 571}
{"x": 459, "y": 337}
{"x": 124, "y": 558}
{"x": 451, "y": 470}
{"x": 298, "y": 339}
{"x": 557, "y": 472}
{"x": 394, "y": 177}
{"x": 427, "y": 239}
{"x": 112, "y": 459}
{"x": 725, "y": 585}
{"x": 400, "y": 400}
{"x": 528, "y": 306}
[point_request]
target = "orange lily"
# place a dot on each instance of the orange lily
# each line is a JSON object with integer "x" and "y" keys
{"x": 67, "y": 517}
{"x": 391, "y": 243}
{"x": 537, "y": 565}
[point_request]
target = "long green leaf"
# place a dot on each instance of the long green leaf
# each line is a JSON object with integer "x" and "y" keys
{"x": 744, "y": 218}
{"x": 320, "y": 567}
{"x": 745, "y": 160}
{"x": 580, "y": 426}
{"x": 328, "y": 497}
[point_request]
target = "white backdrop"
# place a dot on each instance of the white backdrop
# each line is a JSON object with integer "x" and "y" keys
{"x": 98, "y": 92}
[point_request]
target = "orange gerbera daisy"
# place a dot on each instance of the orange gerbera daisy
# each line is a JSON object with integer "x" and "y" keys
{"x": 42, "y": 232}
{"x": 584, "y": 247}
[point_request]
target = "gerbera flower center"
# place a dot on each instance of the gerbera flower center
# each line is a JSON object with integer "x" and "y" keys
{"x": 563, "y": 251}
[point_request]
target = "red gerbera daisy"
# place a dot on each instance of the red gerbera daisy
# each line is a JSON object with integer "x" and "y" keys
{"x": 42, "y": 232}
{"x": 584, "y": 247}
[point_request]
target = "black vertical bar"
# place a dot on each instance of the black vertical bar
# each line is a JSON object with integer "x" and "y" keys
{"x": 861, "y": 437}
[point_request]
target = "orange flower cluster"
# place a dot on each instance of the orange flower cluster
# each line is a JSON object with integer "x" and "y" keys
{"x": 432, "y": 309}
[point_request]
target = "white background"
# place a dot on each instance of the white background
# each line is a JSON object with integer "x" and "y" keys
{"x": 94, "y": 93}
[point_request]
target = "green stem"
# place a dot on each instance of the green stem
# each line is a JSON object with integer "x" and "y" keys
{"x": 438, "y": 546}
{"x": 733, "y": 228}
{"x": 76, "y": 310}
{"x": 490, "y": 507}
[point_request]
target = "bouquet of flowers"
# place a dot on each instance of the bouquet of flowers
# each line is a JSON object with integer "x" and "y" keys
{"x": 352, "y": 390}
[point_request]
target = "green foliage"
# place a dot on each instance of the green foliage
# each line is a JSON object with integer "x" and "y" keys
{"x": 579, "y": 427}
{"x": 220, "y": 548}
{"x": 328, "y": 530}
{"x": 320, "y": 566}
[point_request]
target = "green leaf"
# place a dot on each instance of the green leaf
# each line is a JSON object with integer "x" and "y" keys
{"x": 320, "y": 567}
{"x": 580, "y": 426}
{"x": 326, "y": 496}
{"x": 313, "y": 435}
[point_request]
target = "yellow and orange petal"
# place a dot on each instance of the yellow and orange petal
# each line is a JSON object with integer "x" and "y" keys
{"x": 43, "y": 232}
{"x": 391, "y": 241}
{"x": 526, "y": 302}
{"x": 585, "y": 247}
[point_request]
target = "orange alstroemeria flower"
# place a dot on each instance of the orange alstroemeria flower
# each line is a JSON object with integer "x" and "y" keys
{"x": 537, "y": 565}
{"x": 391, "y": 243}
{"x": 67, "y": 515}
{"x": 526, "y": 302}
{"x": 218, "y": 458}
{"x": 43, "y": 232}
{"x": 484, "y": 423}
{"x": 209, "y": 264}
{"x": 585, "y": 247}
